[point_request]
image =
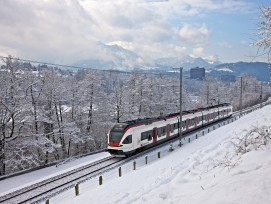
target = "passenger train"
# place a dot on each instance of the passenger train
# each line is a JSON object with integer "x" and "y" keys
{"x": 128, "y": 138}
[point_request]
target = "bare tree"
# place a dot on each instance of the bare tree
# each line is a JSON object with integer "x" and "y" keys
{"x": 264, "y": 32}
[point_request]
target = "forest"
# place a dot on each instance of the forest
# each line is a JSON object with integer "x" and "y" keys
{"x": 48, "y": 114}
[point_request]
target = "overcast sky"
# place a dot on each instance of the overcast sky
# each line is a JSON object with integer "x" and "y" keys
{"x": 67, "y": 31}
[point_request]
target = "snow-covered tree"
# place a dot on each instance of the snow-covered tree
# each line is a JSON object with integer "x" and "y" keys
{"x": 264, "y": 32}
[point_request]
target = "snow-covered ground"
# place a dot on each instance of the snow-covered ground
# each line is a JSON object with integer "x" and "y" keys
{"x": 192, "y": 174}
{"x": 18, "y": 182}
{"x": 188, "y": 174}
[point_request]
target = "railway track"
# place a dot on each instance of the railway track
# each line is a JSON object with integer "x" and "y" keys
{"x": 40, "y": 191}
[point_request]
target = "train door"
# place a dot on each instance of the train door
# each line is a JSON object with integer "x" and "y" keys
{"x": 154, "y": 134}
{"x": 168, "y": 130}
{"x": 196, "y": 121}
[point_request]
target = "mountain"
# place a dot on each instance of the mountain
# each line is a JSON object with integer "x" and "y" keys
{"x": 187, "y": 62}
{"x": 259, "y": 70}
{"x": 122, "y": 59}
{"x": 125, "y": 60}
{"x": 116, "y": 58}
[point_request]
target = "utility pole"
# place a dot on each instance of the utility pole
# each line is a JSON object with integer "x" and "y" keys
{"x": 181, "y": 92}
{"x": 241, "y": 96}
{"x": 181, "y": 101}
{"x": 208, "y": 92}
{"x": 261, "y": 96}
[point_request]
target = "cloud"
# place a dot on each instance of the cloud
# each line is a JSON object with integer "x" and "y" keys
{"x": 193, "y": 35}
{"x": 68, "y": 31}
{"x": 198, "y": 51}
{"x": 52, "y": 31}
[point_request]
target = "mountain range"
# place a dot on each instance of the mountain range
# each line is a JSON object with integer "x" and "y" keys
{"x": 126, "y": 60}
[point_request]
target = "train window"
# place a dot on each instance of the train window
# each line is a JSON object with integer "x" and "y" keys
{"x": 171, "y": 128}
{"x": 115, "y": 136}
{"x": 149, "y": 135}
{"x": 127, "y": 140}
{"x": 192, "y": 122}
{"x": 144, "y": 136}
{"x": 183, "y": 124}
{"x": 163, "y": 130}
{"x": 159, "y": 131}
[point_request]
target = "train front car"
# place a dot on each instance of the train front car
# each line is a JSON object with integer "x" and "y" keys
{"x": 120, "y": 141}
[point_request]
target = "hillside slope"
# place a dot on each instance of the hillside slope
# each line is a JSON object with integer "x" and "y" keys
{"x": 203, "y": 171}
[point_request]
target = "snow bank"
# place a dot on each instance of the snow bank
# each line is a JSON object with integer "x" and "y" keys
{"x": 192, "y": 174}
{"x": 18, "y": 182}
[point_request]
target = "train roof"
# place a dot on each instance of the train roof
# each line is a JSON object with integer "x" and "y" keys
{"x": 150, "y": 120}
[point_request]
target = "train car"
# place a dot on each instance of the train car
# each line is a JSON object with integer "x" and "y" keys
{"x": 130, "y": 137}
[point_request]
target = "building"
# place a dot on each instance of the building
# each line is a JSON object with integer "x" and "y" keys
{"x": 197, "y": 73}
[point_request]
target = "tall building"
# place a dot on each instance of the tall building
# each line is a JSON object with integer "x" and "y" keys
{"x": 197, "y": 73}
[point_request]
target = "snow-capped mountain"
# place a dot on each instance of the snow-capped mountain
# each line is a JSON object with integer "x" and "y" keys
{"x": 122, "y": 59}
{"x": 187, "y": 62}
{"x": 116, "y": 57}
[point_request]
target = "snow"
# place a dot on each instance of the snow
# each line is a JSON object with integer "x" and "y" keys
{"x": 18, "y": 182}
{"x": 225, "y": 69}
{"x": 186, "y": 175}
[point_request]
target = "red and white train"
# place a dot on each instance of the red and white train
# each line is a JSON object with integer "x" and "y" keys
{"x": 128, "y": 138}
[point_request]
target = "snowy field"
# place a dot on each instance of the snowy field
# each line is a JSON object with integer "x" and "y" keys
{"x": 193, "y": 174}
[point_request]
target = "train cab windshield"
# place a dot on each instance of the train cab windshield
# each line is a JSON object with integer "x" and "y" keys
{"x": 117, "y": 132}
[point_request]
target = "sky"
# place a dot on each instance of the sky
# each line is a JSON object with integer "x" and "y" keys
{"x": 68, "y": 31}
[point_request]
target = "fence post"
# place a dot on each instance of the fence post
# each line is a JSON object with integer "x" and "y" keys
{"x": 202, "y": 133}
{"x": 76, "y": 189}
{"x": 213, "y": 127}
{"x": 159, "y": 155}
{"x": 146, "y": 159}
{"x": 208, "y": 130}
{"x": 100, "y": 180}
{"x": 189, "y": 139}
{"x": 120, "y": 172}
{"x": 134, "y": 165}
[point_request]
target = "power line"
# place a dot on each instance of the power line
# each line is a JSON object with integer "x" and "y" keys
{"x": 51, "y": 64}
{"x": 79, "y": 67}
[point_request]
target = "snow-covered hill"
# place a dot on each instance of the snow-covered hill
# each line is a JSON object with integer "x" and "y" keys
{"x": 259, "y": 70}
{"x": 204, "y": 171}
